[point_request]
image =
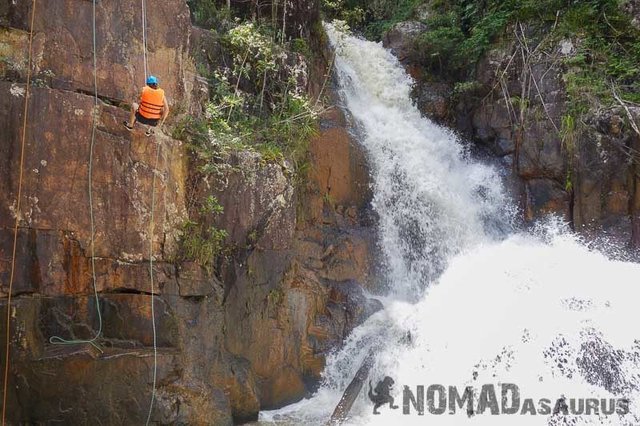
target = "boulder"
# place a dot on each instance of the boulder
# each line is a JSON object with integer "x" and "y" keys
{"x": 401, "y": 38}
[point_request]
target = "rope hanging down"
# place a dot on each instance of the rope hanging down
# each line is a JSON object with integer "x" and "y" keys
{"x": 144, "y": 38}
{"x": 151, "y": 228}
{"x": 17, "y": 213}
{"x": 56, "y": 340}
{"x": 153, "y": 313}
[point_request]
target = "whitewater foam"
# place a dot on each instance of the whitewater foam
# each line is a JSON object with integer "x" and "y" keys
{"x": 469, "y": 305}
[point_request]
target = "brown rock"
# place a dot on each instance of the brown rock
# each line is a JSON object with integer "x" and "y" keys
{"x": 604, "y": 184}
{"x": 249, "y": 335}
{"x": 546, "y": 196}
{"x": 339, "y": 171}
{"x": 401, "y": 37}
{"x": 63, "y": 46}
{"x": 284, "y": 387}
{"x": 55, "y": 192}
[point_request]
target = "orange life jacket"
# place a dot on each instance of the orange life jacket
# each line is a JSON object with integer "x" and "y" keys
{"x": 151, "y": 103}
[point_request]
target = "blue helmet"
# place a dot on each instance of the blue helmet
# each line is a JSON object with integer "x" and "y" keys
{"x": 152, "y": 79}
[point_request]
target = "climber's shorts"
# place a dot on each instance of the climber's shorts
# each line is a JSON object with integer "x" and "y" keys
{"x": 148, "y": 121}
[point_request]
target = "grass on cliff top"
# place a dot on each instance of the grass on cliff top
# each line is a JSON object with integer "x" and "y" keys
{"x": 461, "y": 31}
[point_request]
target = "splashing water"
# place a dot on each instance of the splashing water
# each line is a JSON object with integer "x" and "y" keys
{"x": 469, "y": 305}
{"x": 431, "y": 201}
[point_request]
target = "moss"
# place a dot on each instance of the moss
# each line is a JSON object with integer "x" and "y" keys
{"x": 275, "y": 297}
{"x": 199, "y": 242}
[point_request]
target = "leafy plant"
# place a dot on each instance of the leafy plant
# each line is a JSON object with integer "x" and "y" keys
{"x": 202, "y": 243}
{"x": 259, "y": 102}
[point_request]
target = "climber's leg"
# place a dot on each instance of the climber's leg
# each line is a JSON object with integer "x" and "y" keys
{"x": 132, "y": 118}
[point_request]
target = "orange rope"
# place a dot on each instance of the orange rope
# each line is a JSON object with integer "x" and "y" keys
{"x": 17, "y": 213}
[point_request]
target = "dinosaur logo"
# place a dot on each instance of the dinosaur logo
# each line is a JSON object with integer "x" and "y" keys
{"x": 381, "y": 395}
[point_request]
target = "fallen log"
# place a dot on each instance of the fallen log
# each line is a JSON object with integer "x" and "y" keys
{"x": 350, "y": 394}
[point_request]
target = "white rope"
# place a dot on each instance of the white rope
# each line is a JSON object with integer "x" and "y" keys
{"x": 151, "y": 226}
{"x": 144, "y": 38}
{"x": 153, "y": 314}
{"x": 56, "y": 340}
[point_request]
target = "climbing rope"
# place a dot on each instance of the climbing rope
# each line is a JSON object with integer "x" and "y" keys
{"x": 144, "y": 38}
{"x": 56, "y": 340}
{"x": 153, "y": 314}
{"x": 151, "y": 228}
{"x": 17, "y": 213}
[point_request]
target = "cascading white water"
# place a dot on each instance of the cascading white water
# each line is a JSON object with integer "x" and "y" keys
{"x": 431, "y": 201}
{"x": 467, "y": 308}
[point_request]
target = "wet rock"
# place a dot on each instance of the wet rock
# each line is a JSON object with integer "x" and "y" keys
{"x": 433, "y": 100}
{"x": 401, "y": 37}
{"x": 605, "y": 189}
{"x": 545, "y": 196}
{"x": 541, "y": 153}
{"x": 492, "y": 126}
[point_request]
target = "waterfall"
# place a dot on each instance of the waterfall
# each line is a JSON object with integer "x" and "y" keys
{"x": 472, "y": 301}
{"x": 432, "y": 201}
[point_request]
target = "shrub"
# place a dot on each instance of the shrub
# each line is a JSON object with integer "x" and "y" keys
{"x": 201, "y": 243}
{"x": 259, "y": 101}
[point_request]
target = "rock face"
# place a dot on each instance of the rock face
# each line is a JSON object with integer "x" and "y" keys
{"x": 400, "y": 38}
{"x": 606, "y": 191}
{"x": 250, "y": 334}
{"x": 587, "y": 175}
{"x": 534, "y": 145}
{"x": 62, "y": 47}
{"x": 301, "y": 260}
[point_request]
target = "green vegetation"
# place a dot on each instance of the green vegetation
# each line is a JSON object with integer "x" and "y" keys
{"x": 461, "y": 31}
{"x": 275, "y": 297}
{"x": 374, "y": 17}
{"x": 258, "y": 101}
{"x": 199, "y": 242}
{"x": 208, "y": 14}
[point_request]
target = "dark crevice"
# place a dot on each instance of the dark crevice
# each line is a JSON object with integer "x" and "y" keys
{"x": 126, "y": 291}
{"x": 106, "y": 99}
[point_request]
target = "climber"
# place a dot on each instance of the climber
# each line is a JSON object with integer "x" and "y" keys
{"x": 152, "y": 108}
